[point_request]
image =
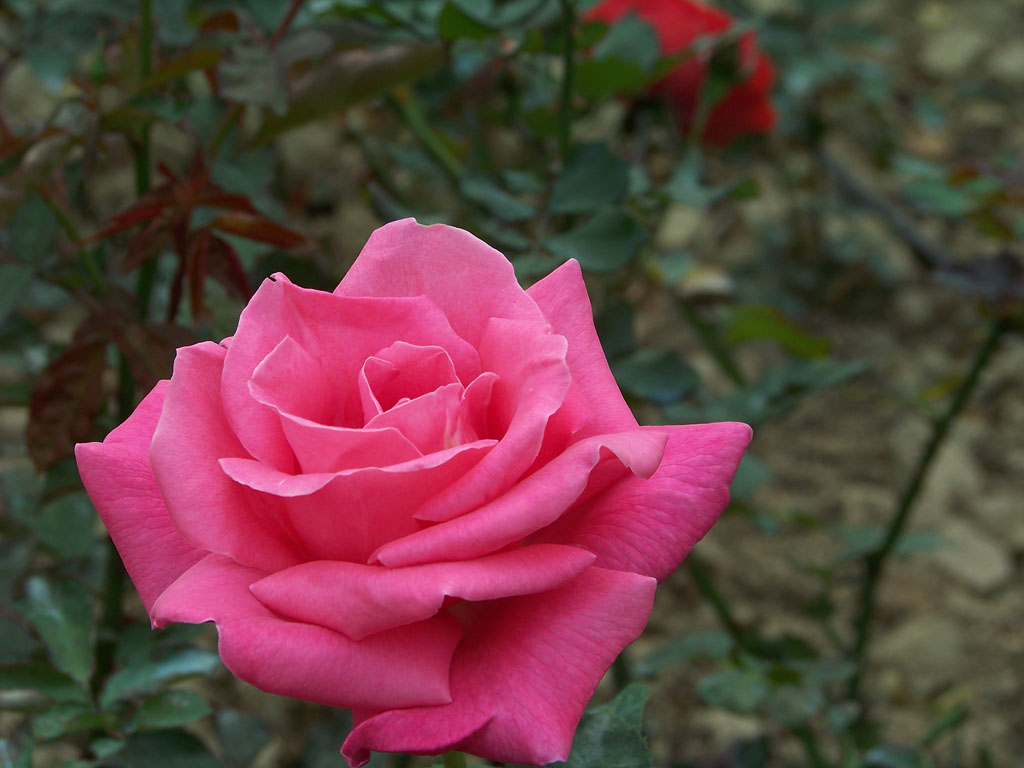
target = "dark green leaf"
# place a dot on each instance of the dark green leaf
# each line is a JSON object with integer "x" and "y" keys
{"x": 242, "y": 735}
{"x": 14, "y": 281}
{"x": 750, "y": 475}
{"x": 615, "y": 329}
{"x": 710, "y": 645}
{"x": 167, "y": 749}
{"x": 44, "y": 680}
{"x": 500, "y": 203}
{"x": 794, "y": 705}
{"x": 605, "y": 739}
{"x": 32, "y": 230}
{"x": 104, "y": 747}
{"x": 735, "y": 690}
{"x": 751, "y": 322}
{"x": 605, "y": 243}
{"x": 16, "y": 644}
{"x": 144, "y": 676}
{"x": 169, "y": 709}
{"x": 629, "y": 704}
{"x": 64, "y": 526}
{"x": 61, "y": 611}
{"x": 655, "y": 374}
{"x": 593, "y": 177}
{"x": 66, "y": 717}
{"x": 454, "y": 23}
{"x": 631, "y": 40}
{"x": 601, "y": 78}
{"x": 892, "y": 756}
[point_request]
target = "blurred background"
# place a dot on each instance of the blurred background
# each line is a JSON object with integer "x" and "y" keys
{"x": 803, "y": 214}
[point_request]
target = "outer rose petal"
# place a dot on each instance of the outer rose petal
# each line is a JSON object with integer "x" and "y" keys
{"x": 120, "y": 482}
{"x": 405, "y": 667}
{"x": 534, "y": 503}
{"x": 522, "y": 675}
{"x": 562, "y": 297}
{"x": 470, "y": 281}
{"x": 648, "y": 526}
{"x": 360, "y": 600}
{"x": 191, "y": 437}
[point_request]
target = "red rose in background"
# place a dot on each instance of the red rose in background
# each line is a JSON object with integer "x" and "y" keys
{"x": 746, "y": 108}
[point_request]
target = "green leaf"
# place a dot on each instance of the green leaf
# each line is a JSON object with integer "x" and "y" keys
{"x": 61, "y": 611}
{"x": 711, "y": 645}
{"x": 751, "y": 322}
{"x": 14, "y": 281}
{"x": 655, "y": 374}
{"x": 605, "y": 243}
{"x": 16, "y": 643}
{"x": 631, "y": 40}
{"x": 144, "y": 675}
{"x": 241, "y": 734}
{"x": 169, "y": 709}
{"x": 615, "y": 329}
{"x": 500, "y": 203}
{"x": 600, "y": 78}
{"x": 67, "y": 717}
{"x": 43, "y": 679}
{"x": 105, "y": 747}
{"x": 593, "y": 177}
{"x": 630, "y": 702}
{"x": 892, "y": 756}
{"x": 751, "y": 474}
{"x": 32, "y": 230}
{"x": 735, "y": 690}
{"x": 794, "y": 705}
{"x": 167, "y": 749}
{"x": 454, "y": 23}
{"x": 64, "y": 526}
{"x": 605, "y": 739}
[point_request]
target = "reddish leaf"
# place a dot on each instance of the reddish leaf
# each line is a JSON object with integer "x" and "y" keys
{"x": 257, "y": 228}
{"x": 222, "y": 21}
{"x": 149, "y": 350}
{"x": 226, "y": 268}
{"x": 196, "y": 267}
{"x": 215, "y": 198}
{"x": 67, "y": 397}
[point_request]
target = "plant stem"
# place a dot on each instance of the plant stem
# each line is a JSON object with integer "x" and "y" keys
{"x": 568, "y": 71}
{"x": 874, "y": 562}
{"x": 706, "y": 585}
{"x": 141, "y": 153}
{"x": 454, "y": 760}
{"x": 409, "y": 110}
{"x": 709, "y": 338}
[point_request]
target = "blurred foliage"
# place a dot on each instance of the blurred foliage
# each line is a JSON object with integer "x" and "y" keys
{"x": 531, "y": 126}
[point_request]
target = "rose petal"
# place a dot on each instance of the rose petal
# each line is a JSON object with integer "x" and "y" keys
{"x": 430, "y": 422}
{"x": 360, "y": 600}
{"x": 562, "y": 296}
{"x": 405, "y": 667}
{"x": 534, "y": 503}
{"x": 522, "y": 675}
{"x": 305, "y": 413}
{"x": 120, "y": 482}
{"x": 191, "y": 437}
{"x": 470, "y": 281}
{"x": 649, "y": 526}
{"x": 532, "y": 383}
{"x": 338, "y": 331}
{"x": 402, "y": 371}
{"x": 348, "y": 514}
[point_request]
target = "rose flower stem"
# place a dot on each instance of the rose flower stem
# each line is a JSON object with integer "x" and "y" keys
{"x": 874, "y": 562}
{"x": 114, "y": 576}
{"x": 405, "y": 106}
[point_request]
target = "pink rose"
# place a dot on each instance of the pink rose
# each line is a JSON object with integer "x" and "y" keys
{"x": 421, "y": 497}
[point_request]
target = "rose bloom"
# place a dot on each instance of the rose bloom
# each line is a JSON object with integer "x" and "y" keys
{"x": 745, "y": 109}
{"x": 421, "y": 497}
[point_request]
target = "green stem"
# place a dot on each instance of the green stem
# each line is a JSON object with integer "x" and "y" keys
{"x": 874, "y": 563}
{"x": 88, "y": 259}
{"x": 718, "y": 350}
{"x": 622, "y": 675}
{"x": 568, "y": 72}
{"x": 412, "y": 114}
{"x": 706, "y": 585}
{"x": 454, "y": 760}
